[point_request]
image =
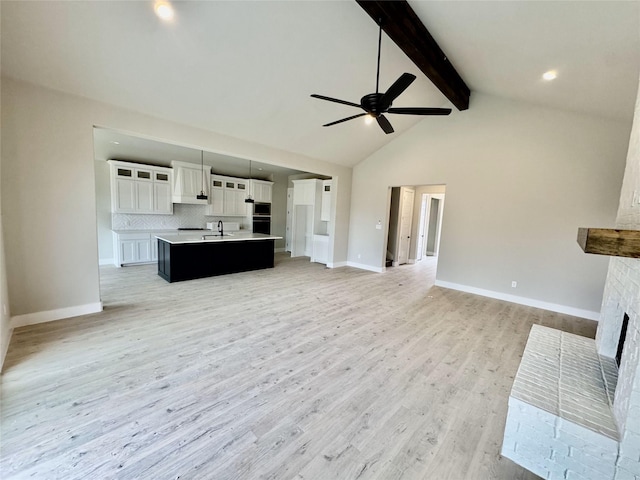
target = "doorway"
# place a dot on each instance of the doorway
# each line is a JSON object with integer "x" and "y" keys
{"x": 415, "y": 223}
{"x": 433, "y": 224}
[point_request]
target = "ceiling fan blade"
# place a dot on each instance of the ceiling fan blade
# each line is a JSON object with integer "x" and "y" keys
{"x": 335, "y": 100}
{"x": 344, "y": 119}
{"x": 420, "y": 111}
{"x": 384, "y": 124}
{"x": 399, "y": 86}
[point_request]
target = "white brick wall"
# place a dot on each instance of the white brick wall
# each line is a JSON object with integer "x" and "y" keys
{"x": 560, "y": 424}
{"x": 622, "y": 295}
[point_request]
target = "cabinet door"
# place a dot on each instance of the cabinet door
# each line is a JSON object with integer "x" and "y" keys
{"x": 162, "y": 193}
{"x": 143, "y": 250}
{"x": 261, "y": 192}
{"x": 325, "y": 211}
{"x": 216, "y": 207}
{"x": 162, "y": 198}
{"x": 144, "y": 197}
{"x": 125, "y": 196}
{"x": 241, "y": 206}
{"x": 128, "y": 251}
{"x": 154, "y": 248}
{"x": 304, "y": 193}
{"x": 229, "y": 203}
{"x": 267, "y": 193}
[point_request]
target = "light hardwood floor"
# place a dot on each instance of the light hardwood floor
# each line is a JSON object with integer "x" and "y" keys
{"x": 297, "y": 372}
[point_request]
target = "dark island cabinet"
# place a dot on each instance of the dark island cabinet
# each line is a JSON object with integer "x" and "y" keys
{"x": 187, "y": 261}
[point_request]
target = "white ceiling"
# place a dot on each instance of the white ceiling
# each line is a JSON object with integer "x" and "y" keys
{"x": 246, "y": 69}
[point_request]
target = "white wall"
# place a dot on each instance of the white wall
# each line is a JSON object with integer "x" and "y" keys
{"x": 520, "y": 181}
{"x": 279, "y": 208}
{"x": 49, "y": 182}
{"x": 103, "y": 211}
{"x": 5, "y": 326}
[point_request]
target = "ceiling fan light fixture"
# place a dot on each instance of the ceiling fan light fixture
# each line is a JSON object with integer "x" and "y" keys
{"x": 375, "y": 105}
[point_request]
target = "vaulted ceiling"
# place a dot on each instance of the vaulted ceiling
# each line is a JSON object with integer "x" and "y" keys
{"x": 246, "y": 69}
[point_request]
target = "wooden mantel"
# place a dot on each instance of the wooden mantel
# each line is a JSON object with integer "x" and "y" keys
{"x": 608, "y": 241}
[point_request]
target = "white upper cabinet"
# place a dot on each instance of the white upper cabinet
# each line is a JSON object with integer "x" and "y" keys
{"x": 188, "y": 182}
{"x": 227, "y": 196}
{"x": 261, "y": 190}
{"x": 305, "y": 191}
{"x": 216, "y": 202}
{"x": 137, "y": 188}
{"x": 325, "y": 210}
{"x": 162, "y": 192}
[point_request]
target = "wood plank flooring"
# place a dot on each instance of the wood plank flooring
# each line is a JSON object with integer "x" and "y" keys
{"x": 296, "y": 372}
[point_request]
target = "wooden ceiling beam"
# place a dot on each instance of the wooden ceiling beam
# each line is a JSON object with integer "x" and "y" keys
{"x": 403, "y": 26}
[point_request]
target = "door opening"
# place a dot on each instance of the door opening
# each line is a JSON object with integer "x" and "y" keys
{"x": 415, "y": 223}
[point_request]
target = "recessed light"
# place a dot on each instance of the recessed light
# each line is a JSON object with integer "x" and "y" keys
{"x": 164, "y": 10}
{"x": 368, "y": 119}
{"x": 550, "y": 75}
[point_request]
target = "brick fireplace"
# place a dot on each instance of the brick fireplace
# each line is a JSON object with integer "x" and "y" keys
{"x": 572, "y": 413}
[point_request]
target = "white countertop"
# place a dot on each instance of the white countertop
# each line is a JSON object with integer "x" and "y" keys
{"x": 197, "y": 237}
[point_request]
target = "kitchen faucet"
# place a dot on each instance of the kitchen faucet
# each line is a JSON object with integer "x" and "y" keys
{"x": 221, "y": 228}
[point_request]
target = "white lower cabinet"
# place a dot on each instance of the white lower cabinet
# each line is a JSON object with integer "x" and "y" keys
{"x": 320, "y": 249}
{"x": 135, "y": 248}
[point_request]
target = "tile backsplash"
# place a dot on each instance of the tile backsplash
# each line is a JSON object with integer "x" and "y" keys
{"x": 184, "y": 215}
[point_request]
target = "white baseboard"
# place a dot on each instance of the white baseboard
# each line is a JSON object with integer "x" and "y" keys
{"x": 336, "y": 264}
{"x": 279, "y": 250}
{"x": 362, "y": 266}
{"x": 529, "y": 302}
{"x": 106, "y": 261}
{"x": 58, "y": 314}
{"x": 411, "y": 261}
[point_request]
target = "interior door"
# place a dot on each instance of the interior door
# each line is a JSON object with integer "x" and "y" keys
{"x": 406, "y": 217}
{"x": 289, "y": 218}
{"x": 423, "y": 211}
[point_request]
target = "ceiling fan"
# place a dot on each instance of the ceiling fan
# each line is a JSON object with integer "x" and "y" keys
{"x": 377, "y": 104}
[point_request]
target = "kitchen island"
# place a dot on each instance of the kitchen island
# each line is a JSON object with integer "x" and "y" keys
{"x": 207, "y": 254}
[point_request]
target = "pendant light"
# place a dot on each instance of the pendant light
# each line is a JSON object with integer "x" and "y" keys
{"x": 202, "y": 196}
{"x": 249, "y": 198}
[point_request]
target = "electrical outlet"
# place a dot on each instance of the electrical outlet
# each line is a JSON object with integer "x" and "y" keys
{"x": 359, "y": 256}
{"x": 514, "y": 284}
{"x": 636, "y": 198}
{"x": 5, "y": 311}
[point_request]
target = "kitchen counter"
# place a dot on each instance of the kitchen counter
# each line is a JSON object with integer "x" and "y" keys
{"x": 186, "y": 257}
{"x": 211, "y": 237}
